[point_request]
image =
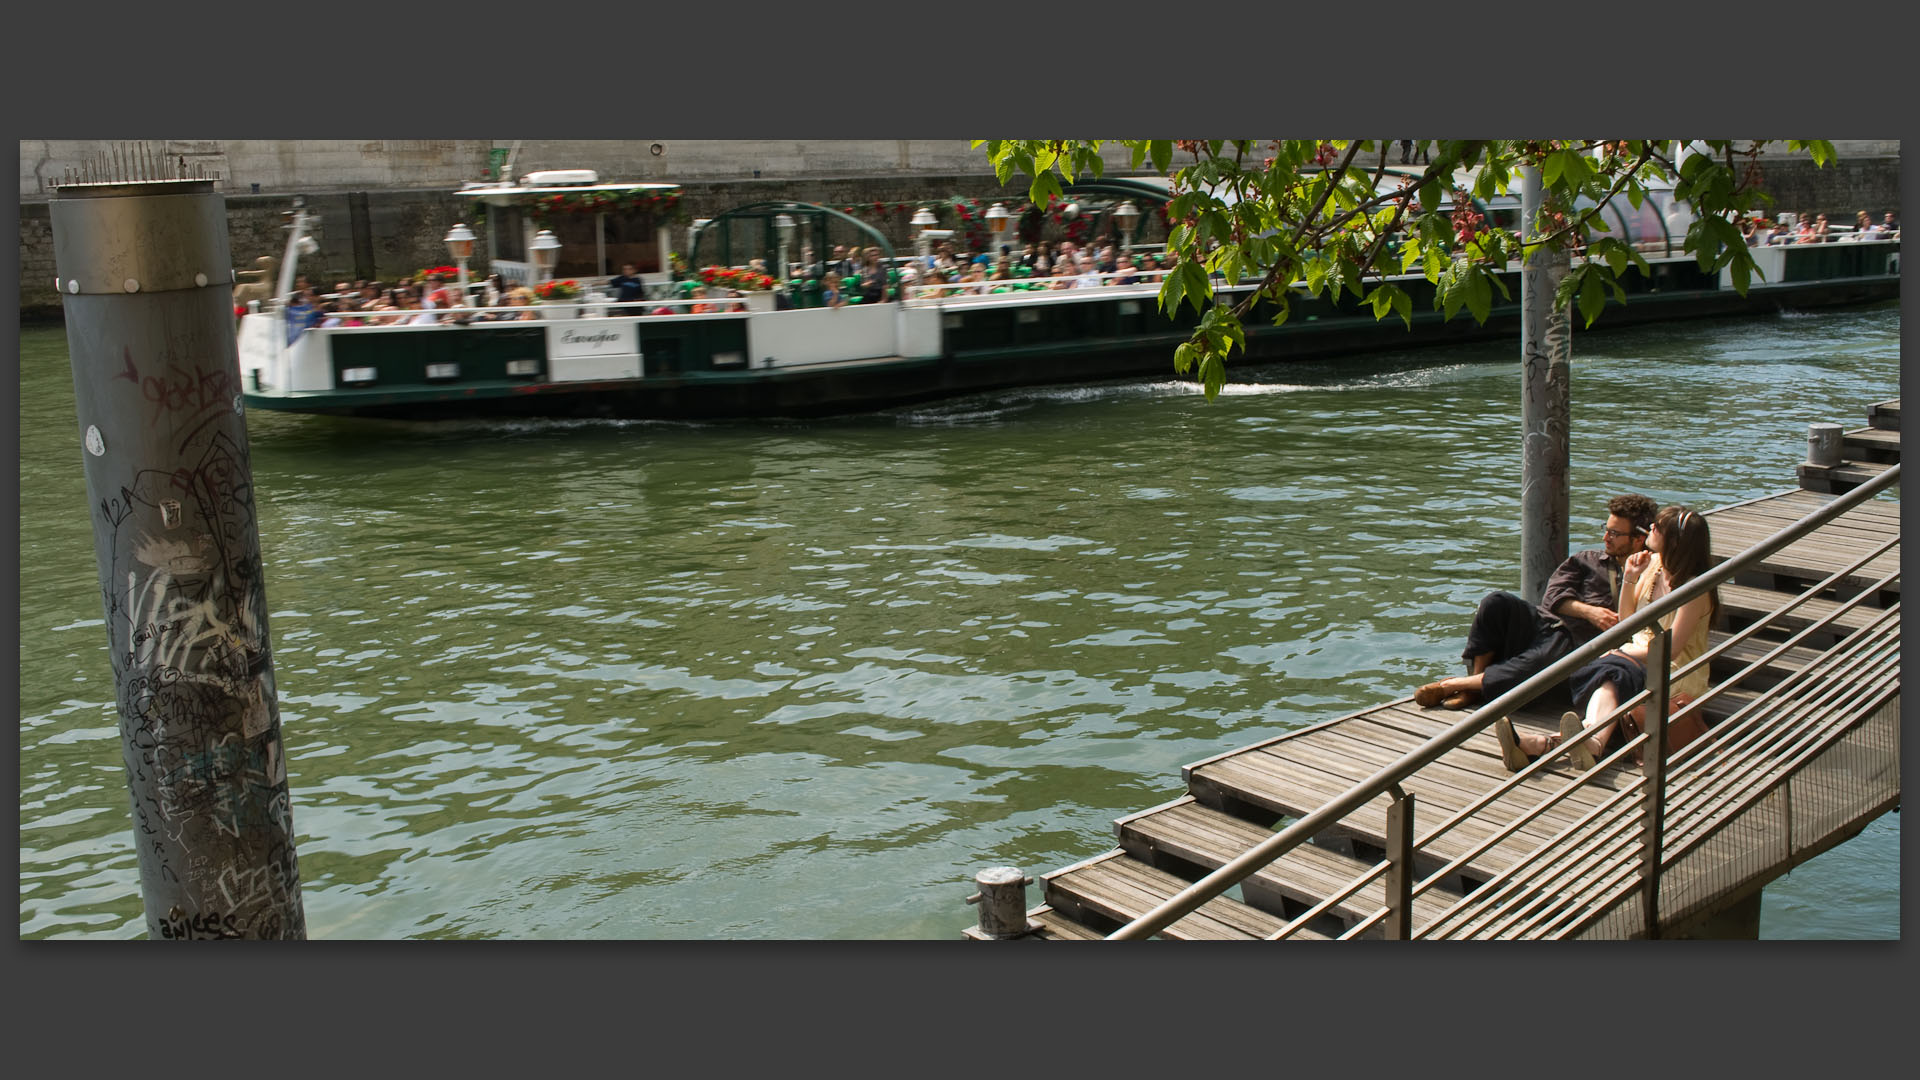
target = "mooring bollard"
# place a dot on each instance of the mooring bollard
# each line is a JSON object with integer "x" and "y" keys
{"x": 1003, "y": 903}
{"x": 1823, "y": 444}
{"x": 147, "y": 283}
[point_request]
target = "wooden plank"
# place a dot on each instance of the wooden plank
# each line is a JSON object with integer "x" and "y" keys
{"x": 1799, "y": 502}
{"x": 1885, "y": 415}
{"x": 1753, "y": 602}
{"x": 1306, "y": 874}
{"x": 1122, "y": 888}
{"x": 1057, "y": 927}
{"x": 1296, "y": 790}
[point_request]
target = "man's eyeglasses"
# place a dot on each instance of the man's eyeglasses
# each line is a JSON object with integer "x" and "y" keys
{"x": 1611, "y": 533}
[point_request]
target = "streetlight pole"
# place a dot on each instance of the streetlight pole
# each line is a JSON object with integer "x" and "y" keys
{"x": 459, "y": 243}
{"x": 546, "y": 251}
{"x": 1545, "y": 413}
{"x": 145, "y": 279}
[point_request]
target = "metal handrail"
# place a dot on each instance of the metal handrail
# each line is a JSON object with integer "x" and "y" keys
{"x": 1251, "y": 860}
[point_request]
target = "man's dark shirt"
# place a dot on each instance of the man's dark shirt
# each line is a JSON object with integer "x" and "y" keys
{"x": 1590, "y": 577}
{"x": 631, "y": 289}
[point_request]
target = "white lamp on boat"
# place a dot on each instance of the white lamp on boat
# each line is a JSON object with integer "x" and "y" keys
{"x": 459, "y": 243}
{"x": 922, "y": 218}
{"x": 1124, "y": 216}
{"x": 546, "y": 251}
{"x": 784, "y": 225}
{"x": 997, "y": 218}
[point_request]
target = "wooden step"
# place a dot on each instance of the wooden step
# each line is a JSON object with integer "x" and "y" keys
{"x": 1885, "y": 415}
{"x": 1186, "y": 832}
{"x": 1115, "y": 889}
{"x": 1838, "y": 478}
{"x": 1747, "y": 604}
{"x": 1730, "y": 661}
{"x": 1871, "y": 444}
{"x": 1057, "y": 927}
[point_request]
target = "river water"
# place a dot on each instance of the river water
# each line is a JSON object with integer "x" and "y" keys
{"x": 803, "y": 680}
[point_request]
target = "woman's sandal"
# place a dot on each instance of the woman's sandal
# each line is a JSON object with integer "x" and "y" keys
{"x": 1511, "y": 755}
{"x": 1571, "y": 729}
{"x": 1429, "y": 695}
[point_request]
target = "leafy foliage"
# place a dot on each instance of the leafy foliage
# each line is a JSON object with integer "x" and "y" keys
{"x": 1325, "y": 217}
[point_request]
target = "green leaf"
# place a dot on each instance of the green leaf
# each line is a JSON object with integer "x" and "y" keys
{"x": 1403, "y": 304}
{"x": 1183, "y": 357}
{"x": 1451, "y": 292}
{"x": 1213, "y": 374}
{"x": 1479, "y": 294}
{"x": 1045, "y": 186}
{"x": 1316, "y": 276}
{"x": 1592, "y": 294}
{"x": 1198, "y": 289}
{"x": 1552, "y": 167}
{"x": 1162, "y": 151}
{"x": 1741, "y": 269}
{"x": 1172, "y": 288}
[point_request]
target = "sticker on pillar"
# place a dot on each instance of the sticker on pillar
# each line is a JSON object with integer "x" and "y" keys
{"x": 95, "y": 444}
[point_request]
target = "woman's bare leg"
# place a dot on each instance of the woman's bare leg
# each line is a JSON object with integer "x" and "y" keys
{"x": 1604, "y": 700}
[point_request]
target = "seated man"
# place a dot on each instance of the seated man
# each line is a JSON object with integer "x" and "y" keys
{"x": 1510, "y": 642}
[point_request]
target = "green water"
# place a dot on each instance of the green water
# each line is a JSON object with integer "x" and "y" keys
{"x": 803, "y": 680}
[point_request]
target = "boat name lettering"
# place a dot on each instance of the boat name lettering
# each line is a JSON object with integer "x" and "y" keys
{"x": 600, "y": 338}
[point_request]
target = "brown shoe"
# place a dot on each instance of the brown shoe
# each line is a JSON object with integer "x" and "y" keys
{"x": 1429, "y": 695}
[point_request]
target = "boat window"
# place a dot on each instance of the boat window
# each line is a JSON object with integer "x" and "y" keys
{"x": 1645, "y": 228}
{"x": 579, "y": 246}
{"x": 506, "y": 225}
{"x": 632, "y": 238}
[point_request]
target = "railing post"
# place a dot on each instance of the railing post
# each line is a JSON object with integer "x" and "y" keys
{"x": 1654, "y": 754}
{"x": 1003, "y": 903}
{"x": 1400, "y": 865}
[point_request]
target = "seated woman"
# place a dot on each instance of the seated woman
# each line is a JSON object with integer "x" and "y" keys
{"x": 1679, "y": 548}
{"x": 831, "y": 294}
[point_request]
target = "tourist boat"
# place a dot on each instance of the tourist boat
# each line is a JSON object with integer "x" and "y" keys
{"x": 764, "y": 355}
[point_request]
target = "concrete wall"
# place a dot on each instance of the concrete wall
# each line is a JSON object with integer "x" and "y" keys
{"x": 323, "y": 165}
{"x": 406, "y": 187}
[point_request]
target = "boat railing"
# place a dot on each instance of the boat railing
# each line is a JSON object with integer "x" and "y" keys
{"x": 1632, "y": 817}
{"x": 1145, "y": 281}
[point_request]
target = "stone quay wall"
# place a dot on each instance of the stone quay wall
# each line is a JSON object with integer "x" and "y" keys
{"x": 402, "y": 189}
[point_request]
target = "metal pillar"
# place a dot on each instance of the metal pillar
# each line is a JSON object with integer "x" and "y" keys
{"x": 1399, "y": 925}
{"x": 1546, "y": 337}
{"x": 1654, "y": 755}
{"x": 146, "y": 279}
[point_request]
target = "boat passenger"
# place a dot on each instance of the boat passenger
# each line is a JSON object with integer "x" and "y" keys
{"x": 303, "y": 312}
{"x": 1063, "y": 274}
{"x": 1863, "y": 226}
{"x": 830, "y": 291}
{"x": 976, "y": 280}
{"x": 1124, "y": 272}
{"x": 873, "y": 278}
{"x": 1089, "y": 277}
{"x": 1679, "y": 548}
{"x": 522, "y": 297}
{"x": 627, "y": 286}
{"x": 700, "y": 293}
{"x": 1889, "y": 228}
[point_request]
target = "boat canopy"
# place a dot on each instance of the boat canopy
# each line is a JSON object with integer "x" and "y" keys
{"x": 755, "y": 231}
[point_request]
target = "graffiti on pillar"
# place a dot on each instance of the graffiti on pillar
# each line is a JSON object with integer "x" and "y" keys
{"x": 186, "y": 612}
